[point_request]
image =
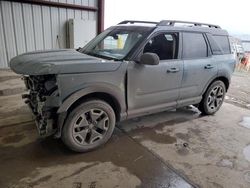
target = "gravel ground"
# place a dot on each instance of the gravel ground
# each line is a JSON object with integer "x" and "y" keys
{"x": 239, "y": 91}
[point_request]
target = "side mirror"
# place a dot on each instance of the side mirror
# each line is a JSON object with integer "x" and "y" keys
{"x": 149, "y": 59}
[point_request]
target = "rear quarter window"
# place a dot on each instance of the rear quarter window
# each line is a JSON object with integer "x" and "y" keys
{"x": 216, "y": 49}
{"x": 223, "y": 42}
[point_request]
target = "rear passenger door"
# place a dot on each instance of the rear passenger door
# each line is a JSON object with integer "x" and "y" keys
{"x": 199, "y": 68}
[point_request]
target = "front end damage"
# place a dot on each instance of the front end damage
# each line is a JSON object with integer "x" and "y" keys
{"x": 43, "y": 100}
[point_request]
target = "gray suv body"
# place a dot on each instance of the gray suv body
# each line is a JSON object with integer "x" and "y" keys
{"x": 129, "y": 70}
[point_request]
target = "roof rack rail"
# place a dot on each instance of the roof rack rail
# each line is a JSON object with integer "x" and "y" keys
{"x": 173, "y": 22}
{"x": 136, "y": 21}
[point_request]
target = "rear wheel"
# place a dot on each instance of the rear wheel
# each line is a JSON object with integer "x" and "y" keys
{"x": 213, "y": 98}
{"x": 88, "y": 126}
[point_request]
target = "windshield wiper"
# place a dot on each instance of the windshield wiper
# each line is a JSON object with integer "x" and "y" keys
{"x": 101, "y": 56}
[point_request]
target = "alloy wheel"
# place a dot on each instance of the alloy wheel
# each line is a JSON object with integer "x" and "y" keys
{"x": 215, "y": 98}
{"x": 90, "y": 127}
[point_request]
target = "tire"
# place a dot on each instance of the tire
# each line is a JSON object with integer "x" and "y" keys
{"x": 88, "y": 126}
{"x": 213, "y": 98}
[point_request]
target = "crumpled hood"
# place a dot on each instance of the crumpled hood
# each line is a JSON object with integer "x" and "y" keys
{"x": 58, "y": 62}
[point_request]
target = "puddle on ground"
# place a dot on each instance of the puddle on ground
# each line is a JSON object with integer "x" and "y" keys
{"x": 151, "y": 134}
{"x": 246, "y": 153}
{"x": 245, "y": 122}
{"x": 171, "y": 122}
{"x": 183, "y": 136}
{"x": 156, "y": 133}
{"x": 84, "y": 174}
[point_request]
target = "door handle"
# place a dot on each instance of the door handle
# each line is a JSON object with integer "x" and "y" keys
{"x": 208, "y": 66}
{"x": 173, "y": 70}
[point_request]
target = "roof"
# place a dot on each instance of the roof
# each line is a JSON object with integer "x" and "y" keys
{"x": 174, "y": 25}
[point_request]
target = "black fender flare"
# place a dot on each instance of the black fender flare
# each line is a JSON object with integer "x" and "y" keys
{"x": 115, "y": 92}
{"x": 215, "y": 78}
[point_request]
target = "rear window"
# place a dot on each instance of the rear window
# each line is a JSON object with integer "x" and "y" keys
{"x": 194, "y": 46}
{"x": 223, "y": 41}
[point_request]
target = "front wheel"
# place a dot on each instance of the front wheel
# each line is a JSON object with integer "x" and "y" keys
{"x": 213, "y": 98}
{"x": 88, "y": 126}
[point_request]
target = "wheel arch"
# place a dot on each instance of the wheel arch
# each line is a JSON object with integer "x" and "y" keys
{"x": 224, "y": 79}
{"x": 111, "y": 95}
{"x": 108, "y": 98}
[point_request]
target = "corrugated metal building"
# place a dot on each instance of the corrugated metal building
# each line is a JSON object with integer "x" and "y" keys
{"x": 38, "y": 25}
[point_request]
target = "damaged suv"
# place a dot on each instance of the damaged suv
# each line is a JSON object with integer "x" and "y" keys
{"x": 131, "y": 69}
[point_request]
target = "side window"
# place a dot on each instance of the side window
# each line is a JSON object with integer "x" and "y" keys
{"x": 216, "y": 50}
{"x": 165, "y": 45}
{"x": 194, "y": 46}
{"x": 223, "y": 41}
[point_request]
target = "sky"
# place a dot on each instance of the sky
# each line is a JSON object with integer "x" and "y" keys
{"x": 233, "y": 15}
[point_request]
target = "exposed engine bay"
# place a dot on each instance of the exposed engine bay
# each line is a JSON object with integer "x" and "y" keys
{"x": 42, "y": 98}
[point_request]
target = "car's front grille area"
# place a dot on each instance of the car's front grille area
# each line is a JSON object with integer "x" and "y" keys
{"x": 38, "y": 92}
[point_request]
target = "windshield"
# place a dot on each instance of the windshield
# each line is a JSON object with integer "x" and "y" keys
{"x": 115, "y": 43}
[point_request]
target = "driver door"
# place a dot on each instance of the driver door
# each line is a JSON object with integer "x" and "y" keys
{"x": 153, "y": 88}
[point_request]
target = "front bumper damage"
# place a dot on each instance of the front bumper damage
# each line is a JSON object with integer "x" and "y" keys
{"x": 43, "y": 100}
